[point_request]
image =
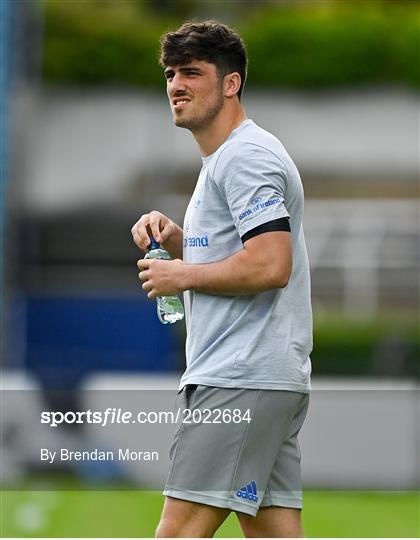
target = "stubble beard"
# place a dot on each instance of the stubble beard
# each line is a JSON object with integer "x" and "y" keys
{"x": 198, "y": 121}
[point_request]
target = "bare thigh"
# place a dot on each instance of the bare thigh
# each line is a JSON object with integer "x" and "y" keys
{"x": 182, "y": 519}
{"x": 272, "y": 522}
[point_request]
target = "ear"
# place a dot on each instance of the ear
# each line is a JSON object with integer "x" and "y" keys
{"x": 232, "y": 83}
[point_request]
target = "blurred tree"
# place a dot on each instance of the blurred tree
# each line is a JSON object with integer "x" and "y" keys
{"x": 300, "y": 45}
{"x": 180, "y": 8}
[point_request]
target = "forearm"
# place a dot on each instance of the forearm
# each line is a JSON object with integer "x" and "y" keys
{"x": 264, "y": 263}
{"x": 174, "y": 244}
{"x": 238, "y": 274}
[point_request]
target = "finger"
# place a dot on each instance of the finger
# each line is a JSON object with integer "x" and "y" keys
{"x": 152, "y": 295}
{"x": 136, "y": 236}
{"x": 144, "y": 276}
{"x": 155, "y": 224}
{"x": 147, "y": 286}
{"x": 139, "y": 232}
{"x": 143, "y": 264}
{"x": 167, "y": 231}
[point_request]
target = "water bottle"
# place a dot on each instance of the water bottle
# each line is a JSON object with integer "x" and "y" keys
{"x": 169, "y": 308}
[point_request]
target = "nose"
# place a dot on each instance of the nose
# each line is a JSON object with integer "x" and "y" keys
{"x": 177, "y": 84}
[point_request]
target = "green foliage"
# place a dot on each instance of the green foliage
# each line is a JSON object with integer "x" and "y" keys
{"x": 348, "y": 46}
{"x": 387, "y": 345}
{"x": 310, "y": 46}
{"x": 91, "y": 44}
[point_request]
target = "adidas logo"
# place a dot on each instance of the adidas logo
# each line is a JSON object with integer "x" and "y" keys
{"x": 248, "y": 492}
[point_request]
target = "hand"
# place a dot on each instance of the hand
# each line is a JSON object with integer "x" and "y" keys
{"x": 161, "y": 277}
{"x": 155, "y": 224}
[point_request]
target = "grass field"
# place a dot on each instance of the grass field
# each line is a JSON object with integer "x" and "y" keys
{"x": 136, "y": 513}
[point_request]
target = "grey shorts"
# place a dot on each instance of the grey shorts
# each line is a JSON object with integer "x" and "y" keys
{"x": 240, "y": 460}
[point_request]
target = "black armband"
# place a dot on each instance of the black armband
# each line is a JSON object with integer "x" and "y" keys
{"x": 281, "y": 224}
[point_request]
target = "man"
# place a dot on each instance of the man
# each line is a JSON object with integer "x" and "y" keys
{"x": 248, "y": 311}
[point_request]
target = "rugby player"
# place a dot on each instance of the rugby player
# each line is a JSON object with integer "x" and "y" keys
{"x": 240, "y": 260}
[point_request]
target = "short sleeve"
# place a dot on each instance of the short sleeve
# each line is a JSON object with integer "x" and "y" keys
{"x": 253, "y": 182}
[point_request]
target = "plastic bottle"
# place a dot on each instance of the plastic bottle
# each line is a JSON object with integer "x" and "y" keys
{"x": 169, "y": 308}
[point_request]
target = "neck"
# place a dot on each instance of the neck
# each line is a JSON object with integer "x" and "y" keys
{"x": 215, "y": 134}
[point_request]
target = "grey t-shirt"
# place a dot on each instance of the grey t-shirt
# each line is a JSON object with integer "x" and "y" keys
{"x": 247, "y": 341}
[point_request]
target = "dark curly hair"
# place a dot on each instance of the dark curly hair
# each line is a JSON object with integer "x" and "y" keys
{"x": 211, "y": 41}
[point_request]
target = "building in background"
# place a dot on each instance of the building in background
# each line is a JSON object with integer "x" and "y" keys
{"x": 92, "y": 146}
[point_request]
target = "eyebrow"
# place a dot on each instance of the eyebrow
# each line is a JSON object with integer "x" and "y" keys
{"x": 168, "y": 71}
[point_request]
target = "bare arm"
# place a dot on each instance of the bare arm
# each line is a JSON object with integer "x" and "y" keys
{"x": 265, "y": 262}
{"x": 163, "y": 230}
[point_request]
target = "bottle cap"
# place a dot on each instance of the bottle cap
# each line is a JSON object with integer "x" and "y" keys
{"x": 153, "y": 244}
